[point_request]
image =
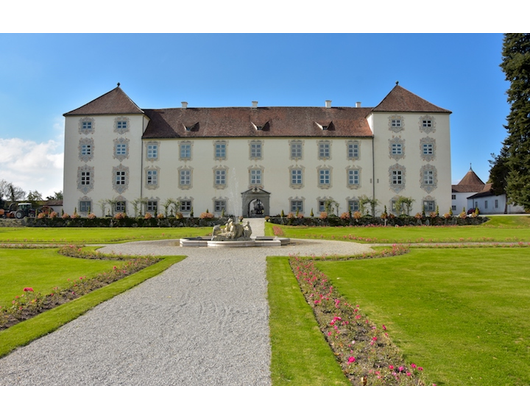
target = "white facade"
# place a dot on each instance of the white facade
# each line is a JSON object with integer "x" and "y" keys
{"x": 116, "y": 151}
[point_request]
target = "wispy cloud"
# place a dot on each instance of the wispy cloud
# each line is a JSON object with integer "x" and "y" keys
{"x": 31, "y": 165}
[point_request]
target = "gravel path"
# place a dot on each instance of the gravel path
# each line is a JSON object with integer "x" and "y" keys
{"x": 204, "y": 321}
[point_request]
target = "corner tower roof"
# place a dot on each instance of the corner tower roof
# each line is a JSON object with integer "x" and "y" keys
{"x": 114, "y": 102}
{"x": 401, "y": 100}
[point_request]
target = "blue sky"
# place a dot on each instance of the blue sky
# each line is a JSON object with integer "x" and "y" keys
{"x": 43, "y": 75}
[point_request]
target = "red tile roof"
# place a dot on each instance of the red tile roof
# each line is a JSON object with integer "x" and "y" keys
{"x": 469, "y": 183}
{"x": 114, "y": 102}
{"x": 401, "y": 100}
{"x": 242, "y": 122}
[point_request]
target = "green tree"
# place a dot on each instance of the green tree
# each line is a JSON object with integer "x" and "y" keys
{"x": 516, "y": 147}
{"x": 499, "y": 173}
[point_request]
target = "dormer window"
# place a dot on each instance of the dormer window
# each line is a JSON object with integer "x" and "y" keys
{"x": 328, "y": 126}
{"x": 261, "y": 126}
{"x": 191, "y": 127}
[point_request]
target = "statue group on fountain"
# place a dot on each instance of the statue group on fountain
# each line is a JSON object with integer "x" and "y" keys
{"x": 232, "y": 232}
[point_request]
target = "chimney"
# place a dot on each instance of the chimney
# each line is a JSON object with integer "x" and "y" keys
{"x": 357, "y": 104}
{"x": 328, "y": 104}
{"x": 254, "y": 104}
{"x": 184, "y": 105}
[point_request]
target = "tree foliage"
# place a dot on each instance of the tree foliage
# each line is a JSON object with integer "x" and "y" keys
{"x": 513, "y": 163}
{"x": 11, "y": 192}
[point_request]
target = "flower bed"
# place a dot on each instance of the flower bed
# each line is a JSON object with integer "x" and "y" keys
{"x": 391, "y": 220}
{"x": 31, "y": 303}
{"x": 364, "y": 350}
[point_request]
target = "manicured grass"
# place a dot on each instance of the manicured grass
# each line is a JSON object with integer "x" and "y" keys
{"x": 95, "y": 235}
{"x": 300, "y": 354}
{"x": 462, "y": 314}
{"x": 27, "y": 331}
{"x": 42, "y": 270}
{"x": 498, "y": 229}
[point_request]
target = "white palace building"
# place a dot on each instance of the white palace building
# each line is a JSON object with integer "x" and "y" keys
{"x": 258, "y": 159}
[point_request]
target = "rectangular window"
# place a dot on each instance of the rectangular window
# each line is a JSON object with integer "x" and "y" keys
{"x": 396, "y": 123}
{"x": 485, "y": 204}
{"x": 297, "y": 205}
{"x": 185, "y": 151}
{"x": 453, "y": 208}
{"x": 324, "y": 151}
{"x": 120, "y": 177}
{"x": 324, "y": 176}
{"x": 152, "y": 177}
{"x": 220, "y": 177}
{"x": 426, "y": 123}
{"x": 121, "y": 149}
{"x": 255, "y": 176}
{"x": 453, "y": 197}
{"x": 428, "y": 177}
{"x": 121, "y": 125}
{"x": 397, "y": 177}
{"x": 296, "y": 150}
{"x": 219, "y": 206}
{"x": 353, "y": 205}
{"x": 220, "y": 150}
{"x": 397, "y": 149}
{"x": 85, "y": 206}
{"x": 86, "y": 149}
{"x": 152, "y": 206}
{"x": 321, "y": 206}
{"x": 296, "y": 176}
{"x": 428, "y": 149}
{"x": 496, "y": 204}
{"x": 255, "y": 150}
{"x": 353, "y": 151}
{"x": 185, "y": 177}
{"x": 429, "y": 206}
{"x": 353, "y": 177}
{"x": 120, "y": 207}
{"x": 86, "y": 125}
{"x": 85, "y": 178}
{"x": 185, "y": 205}
{"x": 152, "y": 151}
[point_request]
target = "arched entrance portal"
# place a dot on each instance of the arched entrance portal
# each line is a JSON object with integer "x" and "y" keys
{"x": 255, "y": 202}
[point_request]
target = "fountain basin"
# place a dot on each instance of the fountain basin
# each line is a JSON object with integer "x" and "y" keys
{"x": 206, "y": 241}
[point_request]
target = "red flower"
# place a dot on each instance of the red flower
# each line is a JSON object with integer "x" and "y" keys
{"x": 28, "y": 289}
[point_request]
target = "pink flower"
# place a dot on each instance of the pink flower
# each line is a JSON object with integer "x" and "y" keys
{"x": 28, "y": 289}
{"x": 391, "y": 367}
{"x": 413, "y": 365}
{"x": 384, "y": 328}
{"x": 351, "y": 360}
{"x": 420, "y": 368}
{"x": 408, "y": 373}
{"x": 401, "y": 368}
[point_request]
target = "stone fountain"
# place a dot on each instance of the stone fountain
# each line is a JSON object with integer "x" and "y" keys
{"x": 233, "y": 235}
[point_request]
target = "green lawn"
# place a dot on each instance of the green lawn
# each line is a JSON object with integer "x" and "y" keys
{"x": 42, "y": 270}
{"x": 498, "y": 229}
{"x": 462, "y": 314}
{"x": 95, "y": 235}
{"x": 46, "y": 322}
{"x": 458, "y": 313}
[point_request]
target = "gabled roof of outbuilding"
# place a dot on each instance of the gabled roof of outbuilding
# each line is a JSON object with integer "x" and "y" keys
{"x": 401, "y": 100}
{"x": 114, "y": 102}
{"x": 469, "y": 183}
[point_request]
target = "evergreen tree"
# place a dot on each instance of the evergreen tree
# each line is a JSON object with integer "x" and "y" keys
{"x": 516, "y": 147}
